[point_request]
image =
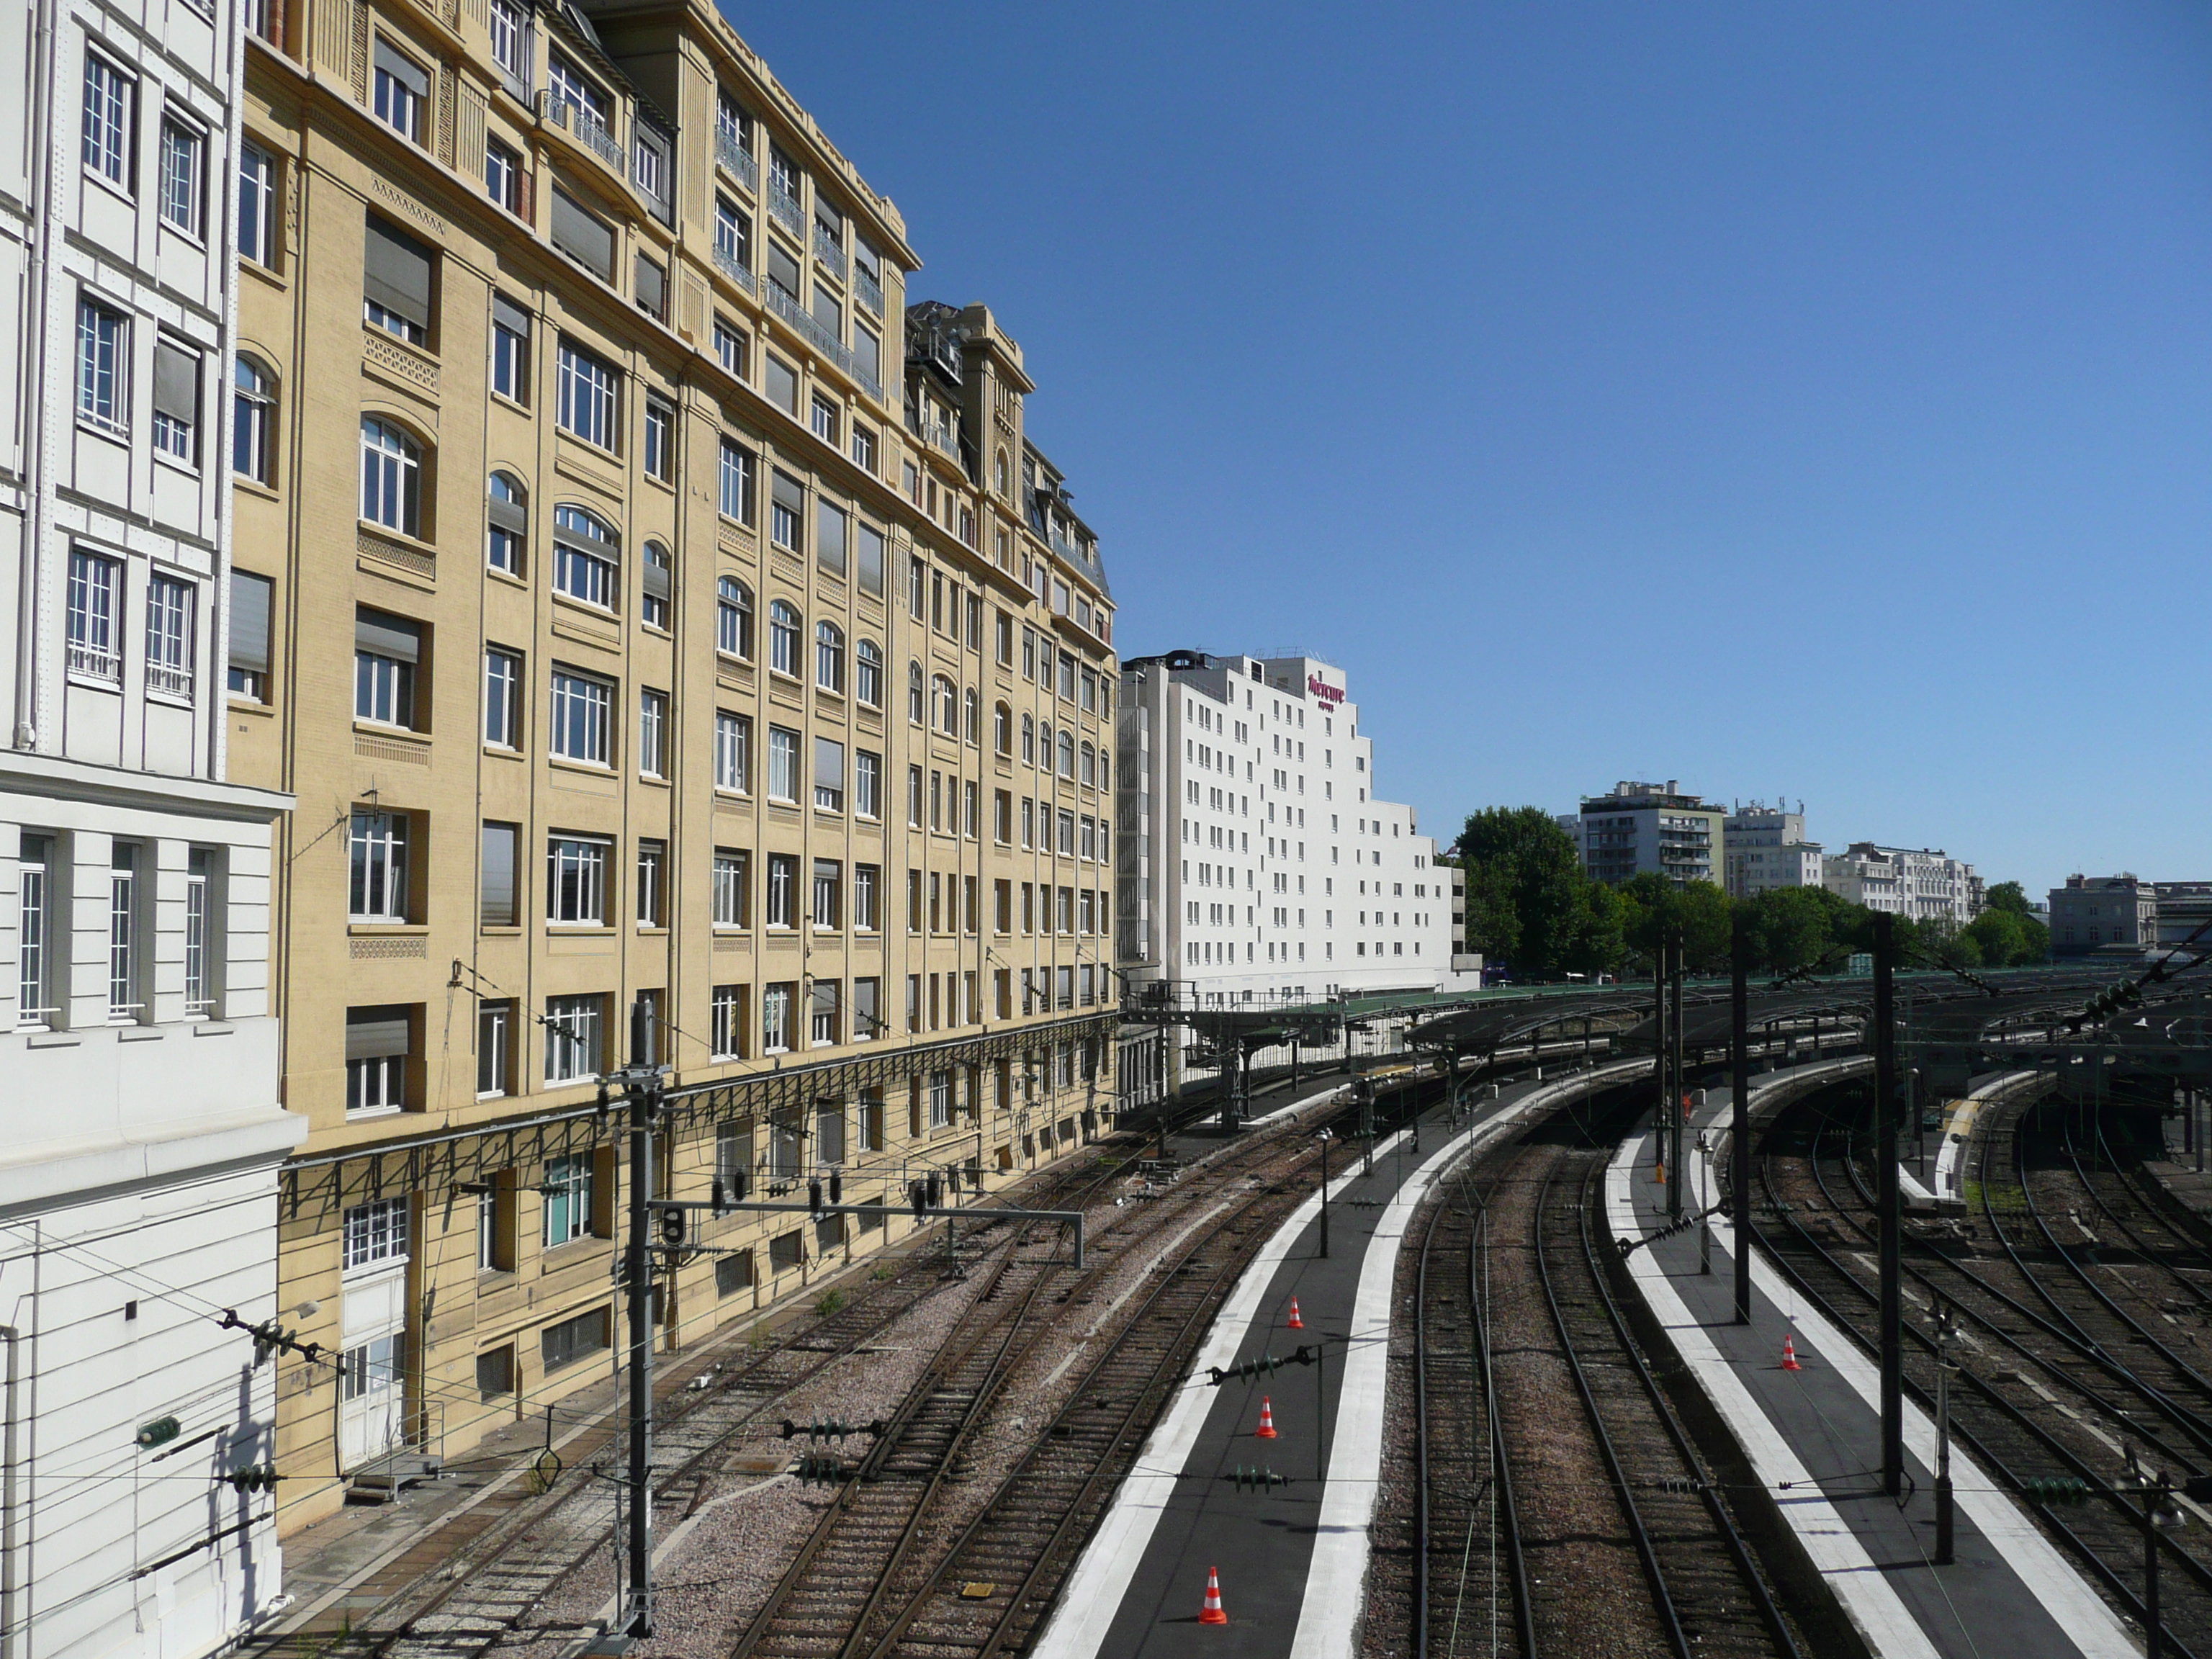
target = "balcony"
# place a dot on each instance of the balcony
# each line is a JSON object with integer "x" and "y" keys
{"x": 783, "y": 207}
{"x": 824, "y": 342}
{"x": 727, "y": 262}
{"x": 869, "y": 384}
{"x": 870, "y": 290}
{"x": 828, "y": 254}
{"x": 939, "y": 435}
{"x": 557, "y": 112}
{"x": 738, "y": 162}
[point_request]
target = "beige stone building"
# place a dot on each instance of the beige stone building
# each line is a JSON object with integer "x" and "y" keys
{"x": 660, "y": 611}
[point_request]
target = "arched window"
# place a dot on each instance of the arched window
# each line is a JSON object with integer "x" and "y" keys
{"x": 1002, "y": 729}
{"x": 733, "y": 618}
{"x": 913, "y": 710}
{"x": 1089, "y": 766}
{"x": 968, "y": 720}
{"x": 659, "y": 588}
{"x": 829, "y": 656}
{"x": 1067, "y": 753}
{"x": 587, "y": 558}
{"x": 1028, "y": 740}
{"x": 507, "y": 507}
{"x": 868, "y": 674}
{"x": 947, "y": 698}
{"x": 391, "y": 477}
{"x": 253, "y": 421}
{"x": 1044, "y": 744}
{"x": 783, "y": 638}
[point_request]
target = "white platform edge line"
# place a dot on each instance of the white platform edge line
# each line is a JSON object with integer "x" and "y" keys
{"x": 1867, "y": 1600}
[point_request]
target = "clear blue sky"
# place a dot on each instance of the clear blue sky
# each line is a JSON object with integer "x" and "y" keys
{"x": 1782, "y": 398}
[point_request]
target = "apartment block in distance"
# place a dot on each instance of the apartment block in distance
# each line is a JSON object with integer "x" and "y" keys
{"x": 1922, "y": 884}
{"x": 2094, "y": 913}
{"x": 1765, "y": 848}
{"x": 1649, "y": 826}
{"x": 655, "y": 599}
{"x": 140, "y": 1114}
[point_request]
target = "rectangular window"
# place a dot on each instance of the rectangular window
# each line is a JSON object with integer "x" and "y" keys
{"x": 387, "y": 652}
{"x": 575, "y": 881}
{"x": 822, "y": 1032}
{"x": 580, "y": 718}
{"x": 864, "y": 448}
{"x": 867, "y": 784}
{"x": 787, "y": 511}
{"x": 169, "y": 637}
{"x": 183, "y": 151}
{"x": 398, "y": 276}
{"x": 733, "y": 752}
{"x": 124, "y": 1002}
{"x": 782, "y": 384}
{"x": 658, "y": 587}
{"x": 257, "y": 206}
{"x": 829, "y": 522}
{"x": 727, "y": 1039}
{"x": 377, "y": 886}
{"x": 400, "y": 90}
{"x": 498, "y": 856}
{"x": 590, "y": 397}
{"x": 868, "y": 882}
{"x": 573, "y": 1340}
{"x": 783, "y": 885}
{"x": 828, "y": 894}
{"x": 659, "y": 441}
{"x": 737, "y": 499}
{"x": 510, "y": 350}
{"x": 107, "y": 125}
{"x": 378, "y": 1040}
{"x": 502, "y": 698}
{"x": 374, "y": 1233}
{"x": 914, "y": 796}
{"x": 494, "y": 1060}
{"x": 775, "y": 1019}
{"x": 572, "y": 1038}
{"x": 35, "y": 930}
{"x": 568, "y": 1194}
{"x": 583, "y": 565}
{"x": 867, "y": 1025}
{"x": 652, "y": 879}
{"x": 651, "y": 733}
{"x": 828, "y": 774}
{"x": 103, "y": 366}
{"x": 782, "y": 765}
{"x": 176, "y": 402}
{"x": 583, "y": 235}
{"x": 731, "y": 887}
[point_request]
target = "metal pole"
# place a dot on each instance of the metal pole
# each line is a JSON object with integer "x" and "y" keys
{"x": 1704, "y": 1204}
{"x": 1675, "y": 1075}
{"x": 1659, "y": 1052}
{"x": 1886, "y": 1086}
{"x": 1946, "y": 1550}
{"x": 2154, "y": 1635}
{"x": 1324, "y": 1194}
{"x": 643, "y": 1096}
{"x": 1740, "y": 1136}
{"x": 1294, "y": 1065}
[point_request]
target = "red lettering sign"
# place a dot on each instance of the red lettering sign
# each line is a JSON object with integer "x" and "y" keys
{"x": 1322, "y": 689}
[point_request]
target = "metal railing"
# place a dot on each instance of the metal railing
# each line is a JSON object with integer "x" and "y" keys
{"x": 738, "y": 162}
{"x": 572, "y": 118}
{"x": 869, "y": 384}
{"x": 170, "y": 682}
{"x": 827, "y": 254}
{"x": 783, "y": 207}
{"x": 727, "y": 262}
{"x": 791, "y": 312}
{"x": 870, "y": 290}
{"x": 94, "y": 662}
{"x": 939, "y": 434}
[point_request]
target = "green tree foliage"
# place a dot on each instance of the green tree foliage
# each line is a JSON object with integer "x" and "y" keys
{"x": 1794, "y": 928}
{"x": 2008, "y": 938}
{"x": 2009, "y": 896}
{"x": 1528, "y": 902}
{"x": 1654, "y": 908}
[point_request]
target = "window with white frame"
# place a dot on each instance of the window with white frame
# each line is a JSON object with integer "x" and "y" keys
{"x": 587, "y": 558}
{"x": 733, "y": 752}
{"x": 103, "y": 366}
{"x": 783, "y": 624}
{"x": 867, "y": 784}
{"x": 105, "y": 135}
{"x": 867, "y": 897}
{"x": 590, "y": 396}
{"x": 821, "y": 1032}
{"x": 391, "y": 477}
{"x": 782, "y": 889}
{"x": 95, "y": 581}
{"x": 374, "y": 1233}
{"x": 828, "y": 774}
{"x": 494, "y": 1051}
{"x": 257, "y": 206}
{"x": 508, "y": 538}
{"x": 572, "y": 1034}
{"x": 651, "y": 733}
{"x": 782, "y": 765}
{"x": 581, "y": 729}
{"x": 728, "y": 889}
{"x": 659, "y": 441}
{"x": 733, "y": 618}
{"x": 252, "y": 420}
{"x": 169, "y": 636}
{"x": 659, "y": 578}
{"x": 775, "y": 1019}
{"x": 385, "y": 653}
{"x": 567, "y": 1193}
{"x": 34, "y": 932}
{"x": 575, "y": 881}
{"x": 868, "y": 673}
{"x": 377, "y": 853}
{"x": 502, "y": 697}
{"x": 400, "y": 89}
{"x": 829, "y": 895}
{"x": 183, "y": 152}
{"x": 829, "y": 656}
{"x": 652, "y": 883}
{"x": 125, "y": 1002}
{"x": 737, "y": 484}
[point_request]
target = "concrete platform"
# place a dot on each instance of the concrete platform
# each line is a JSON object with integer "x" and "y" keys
{"x": 1812, "y": 1438}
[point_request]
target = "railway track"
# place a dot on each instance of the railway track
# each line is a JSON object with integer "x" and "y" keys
{"x": 2047, "y": 1385}
{"x": 1538, "y": 1525}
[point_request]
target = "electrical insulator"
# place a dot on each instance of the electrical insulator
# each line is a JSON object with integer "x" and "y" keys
{"x": 721, "y": 1197}
{"x": 935, "y": 1186}
{"x": 814, "y": 1195}
{"x": 836, "y": 1187}
{"x": 918, "y": 1195}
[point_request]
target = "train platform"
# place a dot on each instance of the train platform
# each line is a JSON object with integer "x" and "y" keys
{"x": 1812, "y": 1437}
{"x": 1292, "y": 1557}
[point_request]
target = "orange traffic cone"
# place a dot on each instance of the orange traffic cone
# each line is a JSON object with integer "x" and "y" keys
{"x": 1212, "y": 1613}
{"x": 1659, "y": 1174}
{"x": 1790, "y": 1354}
{"x": 1266, "y": 1429}
{"x": 1297, "y": 1323}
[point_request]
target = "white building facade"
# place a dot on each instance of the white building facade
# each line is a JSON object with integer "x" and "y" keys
{"x": 1920, "y": 884}
{"x": 140, "y": 1115}
{"x": 1765, "y": 848}
{"x": 1255, "y": 863}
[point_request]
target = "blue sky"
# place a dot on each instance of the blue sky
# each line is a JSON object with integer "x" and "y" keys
{"x": 1786, "y": 399}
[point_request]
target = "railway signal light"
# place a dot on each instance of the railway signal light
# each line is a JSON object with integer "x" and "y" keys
{"x": 675, "y": 1226}
{"x": 2056, "y": 1489}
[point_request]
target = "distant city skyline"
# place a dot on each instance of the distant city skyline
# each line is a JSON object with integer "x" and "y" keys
{"x": 1740, "y": 395}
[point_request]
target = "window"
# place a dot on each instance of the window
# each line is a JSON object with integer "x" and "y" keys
{"x": 782, "y": 880}
{"x": 868, "y": 888}
{"x": 509, "y": 44}
{"x": 391, "y": 477}
{"x": 587, "y": 558}
{"x": 659, "y": 441}
{"x": 500, "y": 855}
{"x": 503, "y": 175}
{"x": 829, "y": 656}
{"x": 566, "y": 84}
{"x": 377, "y": 1044}
{"x": 494, "y": 1067}
{"x": 573, "y": 1340}
{"x": 588, "y": 403}
{"x": 651, "y": 898}
{"x": 1028, "y": 740}
{"x": 829, "y": 522}
{"x": 200, "y": 949}
{"x": 730, "y": 348}
{"x": 176, "y": 402}
{"x": 651, "y": 733}
{"x": 914, "y": 706}
{"x": 378, "y": 847}
{"x": 726, "y": 1040}
{"x": 864, "y": 457}
{"x": 580, "y": 723}
{"x": 568, "y": 1192}
{"x": 968, "y": 717}
{"x": 867, "y": 784}
{"x": 106, "y": 134}
{"x": 183, "y": 149}
{"x": 575, "y": 881}
{"x": 733, "y": 752}
{"x": 867, "y": 1024}
{"x": 103, "y": 366}
{"x": 396, "y": 279}
{"x": 385, "y": 652}
{"x": 510, "y": 350}
{"x": 169, "y": 636}
{"x": 507, "y": 512}
{"x": 733, "y": 236}
{"x": 828, "y": 774}
{"x": 782, "y": 384}
{"x": 1067, "y": 754}
{"x": 375, "y": 1232}
{"x": 400, "y": 90}
{"x": 583, "y": 236}
{"x": 33, "y": 933}
{"x": 786, "y": 512}
{"x": 914, "y": 796}
{"x": 123, "y": 931}
{"x": 828, "y": 894}
{"x": 946, "y": 700}
{"x": 731, "y": 887}
{"x": 782, "y": 765}
{"x": 659, "y": 586}
{"x": 783, "y": 638}
{"x": 257, "y": 206}
{"x": 737, "y": 500}
{"x": 775, "y": 1020}
{"x": 824, "y": 419}
{"x": 733, "y": 618}
{"x": 253, "y": 420}
{"x": 821, "y": 1031}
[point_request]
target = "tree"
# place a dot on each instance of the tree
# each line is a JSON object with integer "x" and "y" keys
{"x": 1598, "y": 947}
{"x": 1525, "y": 888}
{"x": 1654, "y": 907}
{"x": 1793, "y": 927}
{"x": 2009, "y": 897}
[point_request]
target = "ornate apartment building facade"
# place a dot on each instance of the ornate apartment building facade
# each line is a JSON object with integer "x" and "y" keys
{"x": 663, "y": 615}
